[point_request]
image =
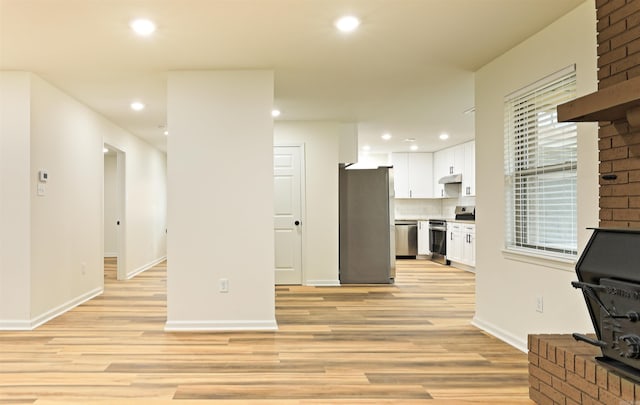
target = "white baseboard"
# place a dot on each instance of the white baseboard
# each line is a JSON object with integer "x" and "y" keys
{"x": 220, "y": 326}
{"x": 322, "y": 283}
{"x": 500, "y": 334}
{"x": 53, "y": 313}
{"x": 15, "y": 325}
{"x": 145, "y": 267}
{"x": 463, "y": 266}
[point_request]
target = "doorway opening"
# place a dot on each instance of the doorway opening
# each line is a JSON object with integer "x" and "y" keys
{"x": 114, "y": 213}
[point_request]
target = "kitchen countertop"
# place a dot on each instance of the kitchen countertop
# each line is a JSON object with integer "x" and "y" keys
{"x": 461, "y": 221}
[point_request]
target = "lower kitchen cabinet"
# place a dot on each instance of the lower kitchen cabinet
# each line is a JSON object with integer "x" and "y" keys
{"x": 461, "y": 243}
{"x": 424, "y": 245}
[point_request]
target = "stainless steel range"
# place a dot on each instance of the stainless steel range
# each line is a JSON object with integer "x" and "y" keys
{"x": 438, "y": 240}
{"x": 438, "y": 232}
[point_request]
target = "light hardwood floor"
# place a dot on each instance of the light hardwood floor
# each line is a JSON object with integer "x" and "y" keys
{"x": 407, "y": 343}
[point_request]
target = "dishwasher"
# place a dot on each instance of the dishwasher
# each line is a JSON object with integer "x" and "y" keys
{"x": 406, "y": 238}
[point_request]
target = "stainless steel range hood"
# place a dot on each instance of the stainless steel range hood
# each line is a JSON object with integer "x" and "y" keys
{"x": 451, "y": 179}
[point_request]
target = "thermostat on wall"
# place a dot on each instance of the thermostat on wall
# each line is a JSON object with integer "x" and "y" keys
{"x": 43, "y": 175}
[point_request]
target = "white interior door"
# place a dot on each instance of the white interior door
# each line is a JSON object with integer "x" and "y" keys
{"x": 287, "y": 175}
{"x": 114, "y": 225}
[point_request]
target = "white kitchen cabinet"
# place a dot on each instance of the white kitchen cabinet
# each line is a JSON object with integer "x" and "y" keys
{"x": 413, "y": 175}
{"x": 461, "y": 243}
{"x": 447, "y": 162}
{"x": 469, "y": 245}
{"x": 424, "y": 244}
{"x": 440, "y": 169}
{"x": 454, "y": 242}
{"x": 469, "y": 172}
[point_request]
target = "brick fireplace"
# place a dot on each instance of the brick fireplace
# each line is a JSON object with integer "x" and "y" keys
{"x": 562, "y": 371}
{"x": 619, "y": 143}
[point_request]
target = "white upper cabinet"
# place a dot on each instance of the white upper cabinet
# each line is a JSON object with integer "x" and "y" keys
{"x": 459, "y": 159}
{"x": 413, "y": 175}
{"x": 400, "y": 163}
{"x": 469, "y": 172}
{"x": 450, "y": 160}
{"x": 447, "y": 162}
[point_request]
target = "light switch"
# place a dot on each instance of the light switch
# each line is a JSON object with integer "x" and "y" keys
{"x": 42, "y": 189}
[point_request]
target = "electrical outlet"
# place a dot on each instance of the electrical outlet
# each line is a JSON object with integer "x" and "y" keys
{"x": 539, "y": 304}
{"x": 223, "y": 285}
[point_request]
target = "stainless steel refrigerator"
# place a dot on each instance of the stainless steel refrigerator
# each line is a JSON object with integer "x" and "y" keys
{"x": 367, "y": 231}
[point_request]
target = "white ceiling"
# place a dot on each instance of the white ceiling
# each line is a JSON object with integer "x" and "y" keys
{"x": 408, "y": 69}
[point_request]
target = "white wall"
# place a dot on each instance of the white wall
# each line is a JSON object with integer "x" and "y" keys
{"x": 321, "y": 231}
{"x": 220, "y": 215}
{"x": 110, "y": 206}
{"x": 56, "y": 240}
{"x": 66, "y": 223}
{"x": 15, "y": 200}
{"x": 145, "y": 214}
{"x": 506, "y": 288}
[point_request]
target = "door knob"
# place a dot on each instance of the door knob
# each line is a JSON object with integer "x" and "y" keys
{"x": 296, "y": 223}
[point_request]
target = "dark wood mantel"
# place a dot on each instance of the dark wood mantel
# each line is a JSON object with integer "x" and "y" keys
{"x": 618, "y": 102}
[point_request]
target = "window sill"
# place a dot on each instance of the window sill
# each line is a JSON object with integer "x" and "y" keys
{"x": 559, "y": 263}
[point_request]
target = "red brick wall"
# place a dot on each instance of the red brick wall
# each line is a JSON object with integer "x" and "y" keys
{"x": 563, "y": 371}
{"x": 619, "y": 145}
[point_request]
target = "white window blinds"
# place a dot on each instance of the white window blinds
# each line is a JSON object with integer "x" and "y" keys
{"x": 540, "y": 168}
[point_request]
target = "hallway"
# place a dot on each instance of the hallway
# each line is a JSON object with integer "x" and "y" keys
{"x": 399, "y": 344}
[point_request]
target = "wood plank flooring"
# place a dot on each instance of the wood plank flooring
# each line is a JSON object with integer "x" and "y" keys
{"x": 407, "y": 343}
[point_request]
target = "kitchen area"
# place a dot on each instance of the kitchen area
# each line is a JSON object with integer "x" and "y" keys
{"x": 435, "y": 210}
{"x": 425, "y": 212}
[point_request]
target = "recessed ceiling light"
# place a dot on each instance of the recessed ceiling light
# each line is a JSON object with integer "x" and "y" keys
{"x": 105, "y": 150}
{"x": 143, "y": 27}
{"x": 166, "y": 132}
{"x": 347, "y": 23}
{"x": 275, "y": 113}
{"x": 386, "y": 137}
{"x": 444, "y": 136}
{"x": 366, "y": 148}
{"x": 137, "y": 106}
{"x": 413, "y": 147}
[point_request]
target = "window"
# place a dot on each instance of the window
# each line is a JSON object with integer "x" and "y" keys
{"x": 540, "y": 169}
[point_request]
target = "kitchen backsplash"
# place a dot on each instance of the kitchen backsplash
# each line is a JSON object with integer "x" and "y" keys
{"x": 417, "y": 208}
{"x": 429, "y": 208}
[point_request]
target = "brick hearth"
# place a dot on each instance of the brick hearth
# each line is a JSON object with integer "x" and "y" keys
{"x": 563, "y": 371}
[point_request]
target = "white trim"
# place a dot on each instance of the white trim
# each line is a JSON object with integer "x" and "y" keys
{"x": 145, "y": 267}
{"x": 500, "y": 334}
{"x": 322, "y": 283}
{"x": 463, "y": 266}
{"x": 220, "y": 326}
{"x": 110, "y": 254}
{"x": 53, "y": 313}
{"x": 553, "y": 262}
{"x": 15, "y": 325}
